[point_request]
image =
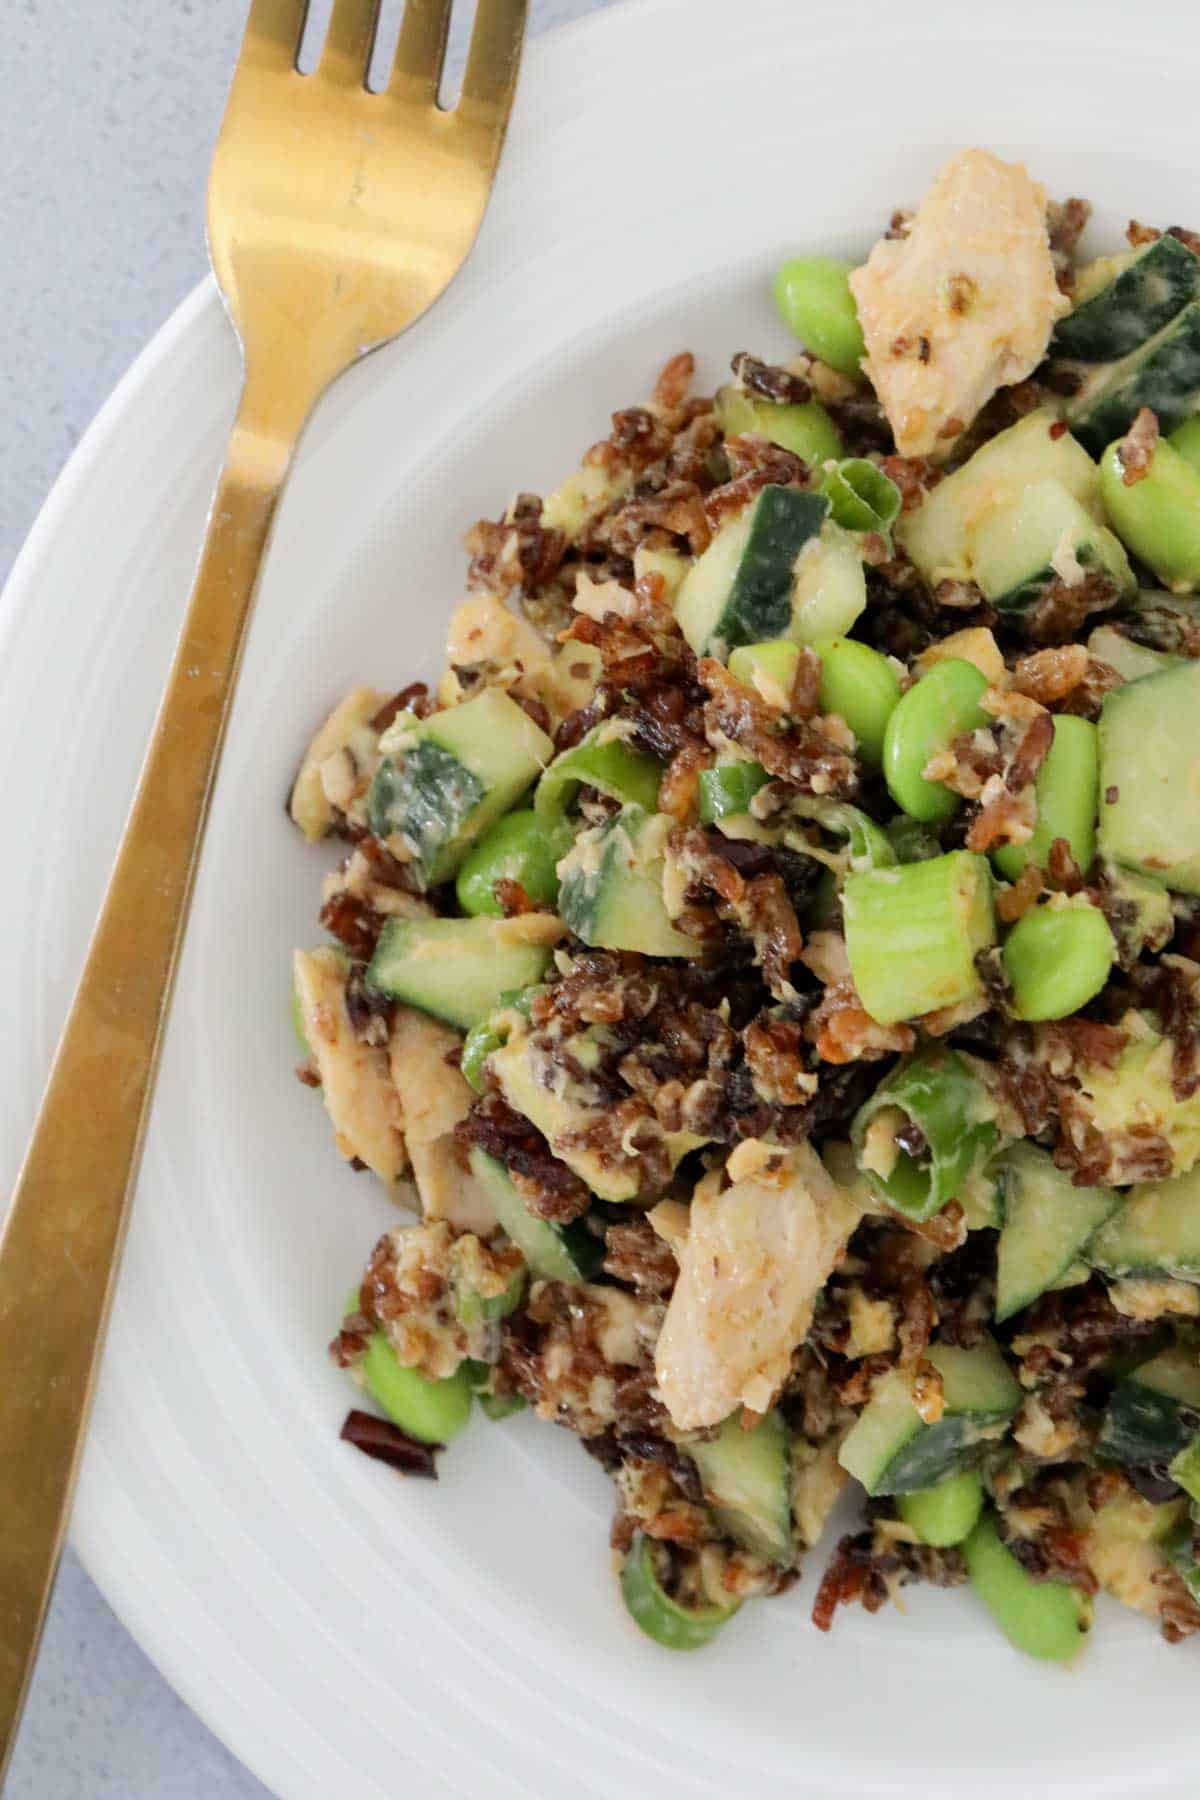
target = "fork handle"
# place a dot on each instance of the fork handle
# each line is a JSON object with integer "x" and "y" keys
{"x": 62, "y": 1239}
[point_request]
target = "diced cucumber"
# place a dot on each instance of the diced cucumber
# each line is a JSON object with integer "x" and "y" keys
{"x": 1145, "y": 292}
{"x": 669, "y": 565}
{"x": 805, "y": 429}
{"x": 830, "y": 590}
{"x": 456, "y": 969}
{"x": 1047, "y": 1222}
{"x": 474, "y": 1308}
{"x": 605, "y": 760}
{"x": 890, "y": 1449}
{"x": 584, "y": 497}
{"x": 568, "y": 1253}
{"x": 727, "y": 790}
{"x": 1156, "y": 1232}
{"x": 946, "y": 1514}
{"x": 747, "y": 1478}
{"x": 1163, "y": 373}
{"x": 981, "y": 1196}
{"x": 1140, "y": 913}
{"x": 769, "y": 668}
{"x": 740, "y": 590}
{"x": 1046, "y": 1619}
{"x": 1044, "y": 535}
{"x": 1154, "y": 1411}
{"x": 1150, "y": 777}
{"x": 935, "y": 534}
{"x": 611, "y": 892}
{"x": 1129, "y": 659}
{"x": 1185, "y": 1469}
{"x": 1183, "y": 1553}
{"x": 1122, "y": 1103}
{"x": 453, "y": 775}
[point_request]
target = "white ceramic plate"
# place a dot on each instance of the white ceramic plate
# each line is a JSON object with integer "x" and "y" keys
{"x": 345, "y": 1632}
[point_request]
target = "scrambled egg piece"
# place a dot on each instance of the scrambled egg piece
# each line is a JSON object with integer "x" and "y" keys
{"x": 362, "y": 1104}
{"x": 754, "y": 1259}
{"x": 434, "y": 1097}
{"x": 961, "y": 305}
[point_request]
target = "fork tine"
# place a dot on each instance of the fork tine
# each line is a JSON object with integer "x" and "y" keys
{"x": 421, "y": 50}
{"x": 494, "y": 56}
{"x": 349, "y": 42}
{"x": 273, "y": 32}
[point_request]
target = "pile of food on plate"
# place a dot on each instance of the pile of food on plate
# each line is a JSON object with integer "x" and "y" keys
{"x": 770, "y": 959}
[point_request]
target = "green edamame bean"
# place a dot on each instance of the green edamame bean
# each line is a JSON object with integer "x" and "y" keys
{"x": 434, "y": 1411}
{"x": 1046, "y": 1619}
{"x": 1067, "y": 791}
{"x": 1158, "y": 516}
{"x": 861, "y": 686}
{"x": 1186, "y": 440}
{"x": 813, "y": 295}
{"x": 946, "y": 1514}
{"x": 1057, "y": 958}
{"x": 944, "y": 703}
{"x": 517, "y": 849}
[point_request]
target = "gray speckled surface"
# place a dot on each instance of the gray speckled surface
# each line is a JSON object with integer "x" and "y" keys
{"x": 106, "y": 125}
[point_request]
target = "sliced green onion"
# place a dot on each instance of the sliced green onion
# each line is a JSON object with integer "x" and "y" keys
{"x": 1046, "y": 1619}
{"x": 913, "y": 934}
{"x": 862, "y": 687}
{"x": 667, "y": 1621}
{"x": 942, "y": 705}
{"x": 861, "y": 497}
{"x": 813, "y": 294}
{"x": 490, "y": 1034}
{"x": 912, "y": 841}
{"x": 946, "y": 1514}
{"x": 1067, "y": 790}
{"x": 609, "y": 764}
{"x": 1057, "y": 958}
{"x": 937, "y": 1092}
{"x": 867, "y": 844}
{"x": 434, "y": 1411}
{"x": 727, "y": 790}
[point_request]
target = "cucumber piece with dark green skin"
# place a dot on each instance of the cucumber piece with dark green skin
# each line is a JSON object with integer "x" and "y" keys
{"x": 1163, "y": 374}
{"x": 890, "y": 1449}
{"x": 1156, "y": 1233}
{"x": 569, "y": 1253}
{"x": 452, "y": 776}
{"x": 1154, "y": 1411}
{"x": 1039, "y": 538}
{"x": 747, "y": 1478}
{"x": 611, "y": 892}
{"x": 1139, "y": 301}
{"x": 455, "y": 969}
{"x": 1047, "y": 1223}
{"x": 740, "y": 590}
{"x": 1150, "y": 777}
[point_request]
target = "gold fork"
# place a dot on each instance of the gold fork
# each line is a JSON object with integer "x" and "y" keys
{"x": 336, "y": 216}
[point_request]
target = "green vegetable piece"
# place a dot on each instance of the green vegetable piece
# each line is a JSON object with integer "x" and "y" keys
{"x": 1057, "y": 958}
{"x": 805, "y": 429}
{"x": 913, "y": 934}
{"x": 515, "y": 849}
{"x": 1185, "y": 1469}
{"x": 891, "y": 1450}
{"x": 1186, "y": 441}
{"x": 567, "y": 1253}
{"x": 1067, "y": 790}
{"x": 861, "y": 497}
{"x": 434, "y": 1411}
{"x": 1150, "y": 777}
{"x": 473, "y": 1308}
{"x": 946, "y": 1514}
{"x": 937, "y": 1092}
{"x": 1048, "y": 1222}
{"x": 456, "y": 969}
{"x": 813, "y": 295}
{"x": 502, "y": 1406}
{"x": 862, "y": 687}
{"x": 942, "y": 704}
{"x": 769, "y": 668}
{"x": 1046, "y": 1619}
{"x": 601, "y": 760}
{"x": 727, "y": 790}
{"x": 612, "y": 886}
{"x": 478, "y": 1045}
{"x": 666, "y": 1620}
{"x": 1158, "y": 515}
